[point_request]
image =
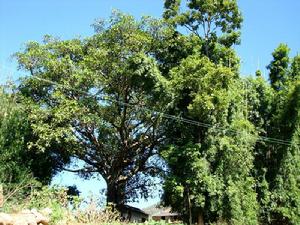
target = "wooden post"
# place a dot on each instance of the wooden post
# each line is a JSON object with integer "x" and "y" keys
{"x": 1, "y": 196}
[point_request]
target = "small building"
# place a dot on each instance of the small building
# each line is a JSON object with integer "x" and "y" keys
{"x": 133, "y": 214}
{"x": 157, "y": 213}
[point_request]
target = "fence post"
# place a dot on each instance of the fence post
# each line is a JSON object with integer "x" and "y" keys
{"x": 1, "y": 196}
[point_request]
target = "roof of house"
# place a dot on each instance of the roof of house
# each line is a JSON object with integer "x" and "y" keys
{"x": 131, "y": 208}
{"x": 153, "y": 211}
{"x": 157, "y": 210}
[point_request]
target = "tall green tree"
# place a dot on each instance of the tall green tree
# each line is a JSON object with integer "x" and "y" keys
{"x": 211, "y": 161}
{"x": 206, "y": 178}
{"x": 89, "y": 96}
{"x": 260, "y": 111}
{"x": 13, "y": 128}
{"x": 215, "y": 22}
{"x": 17, "y": 162}
{"x": 279, "y": 66}
{"x": 285, "y": 187}
{"x": 276, "y": 155}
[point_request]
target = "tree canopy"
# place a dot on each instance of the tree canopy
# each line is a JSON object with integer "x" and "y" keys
{"x": 88, "y": 96}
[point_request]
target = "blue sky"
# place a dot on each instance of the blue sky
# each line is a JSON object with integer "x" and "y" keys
{"x": 266, "y": 24}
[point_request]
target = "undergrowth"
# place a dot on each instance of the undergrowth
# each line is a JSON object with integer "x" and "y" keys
{"x": 66, "y": 209}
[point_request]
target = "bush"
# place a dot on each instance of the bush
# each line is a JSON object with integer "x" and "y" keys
{"x": 66, "y": 209}
{"x": 32, "y": 195}
{"x": 15, "y": 194}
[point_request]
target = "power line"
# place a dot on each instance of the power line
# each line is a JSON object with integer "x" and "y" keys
{"x": 173, "y": 117}
{"x": 169, "y": 116}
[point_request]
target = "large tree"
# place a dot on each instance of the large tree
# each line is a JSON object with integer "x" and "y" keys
{"x": 91, "y": 98}
{"x": 283, "y": 171}
{"x": 279, "y": 66}
{"x": 207, "y": 178}
{"x": 284, "y": 180}
{"x": 210, "y": 161}
{"x": 273, "y": 108}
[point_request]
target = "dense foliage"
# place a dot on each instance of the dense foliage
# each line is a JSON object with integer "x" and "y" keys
{"x": 17, "y": 162}
{"x": 88, "y": 97}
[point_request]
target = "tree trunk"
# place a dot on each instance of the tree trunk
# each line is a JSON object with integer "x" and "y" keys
{"x": 200, "y": 218}
{"x": 115, "y": 194}
{"x": 112, "y": 196}
{"x": 189, "y": 206}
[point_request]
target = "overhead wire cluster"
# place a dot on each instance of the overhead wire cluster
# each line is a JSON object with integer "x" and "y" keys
{"x": 260, "y": 138}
